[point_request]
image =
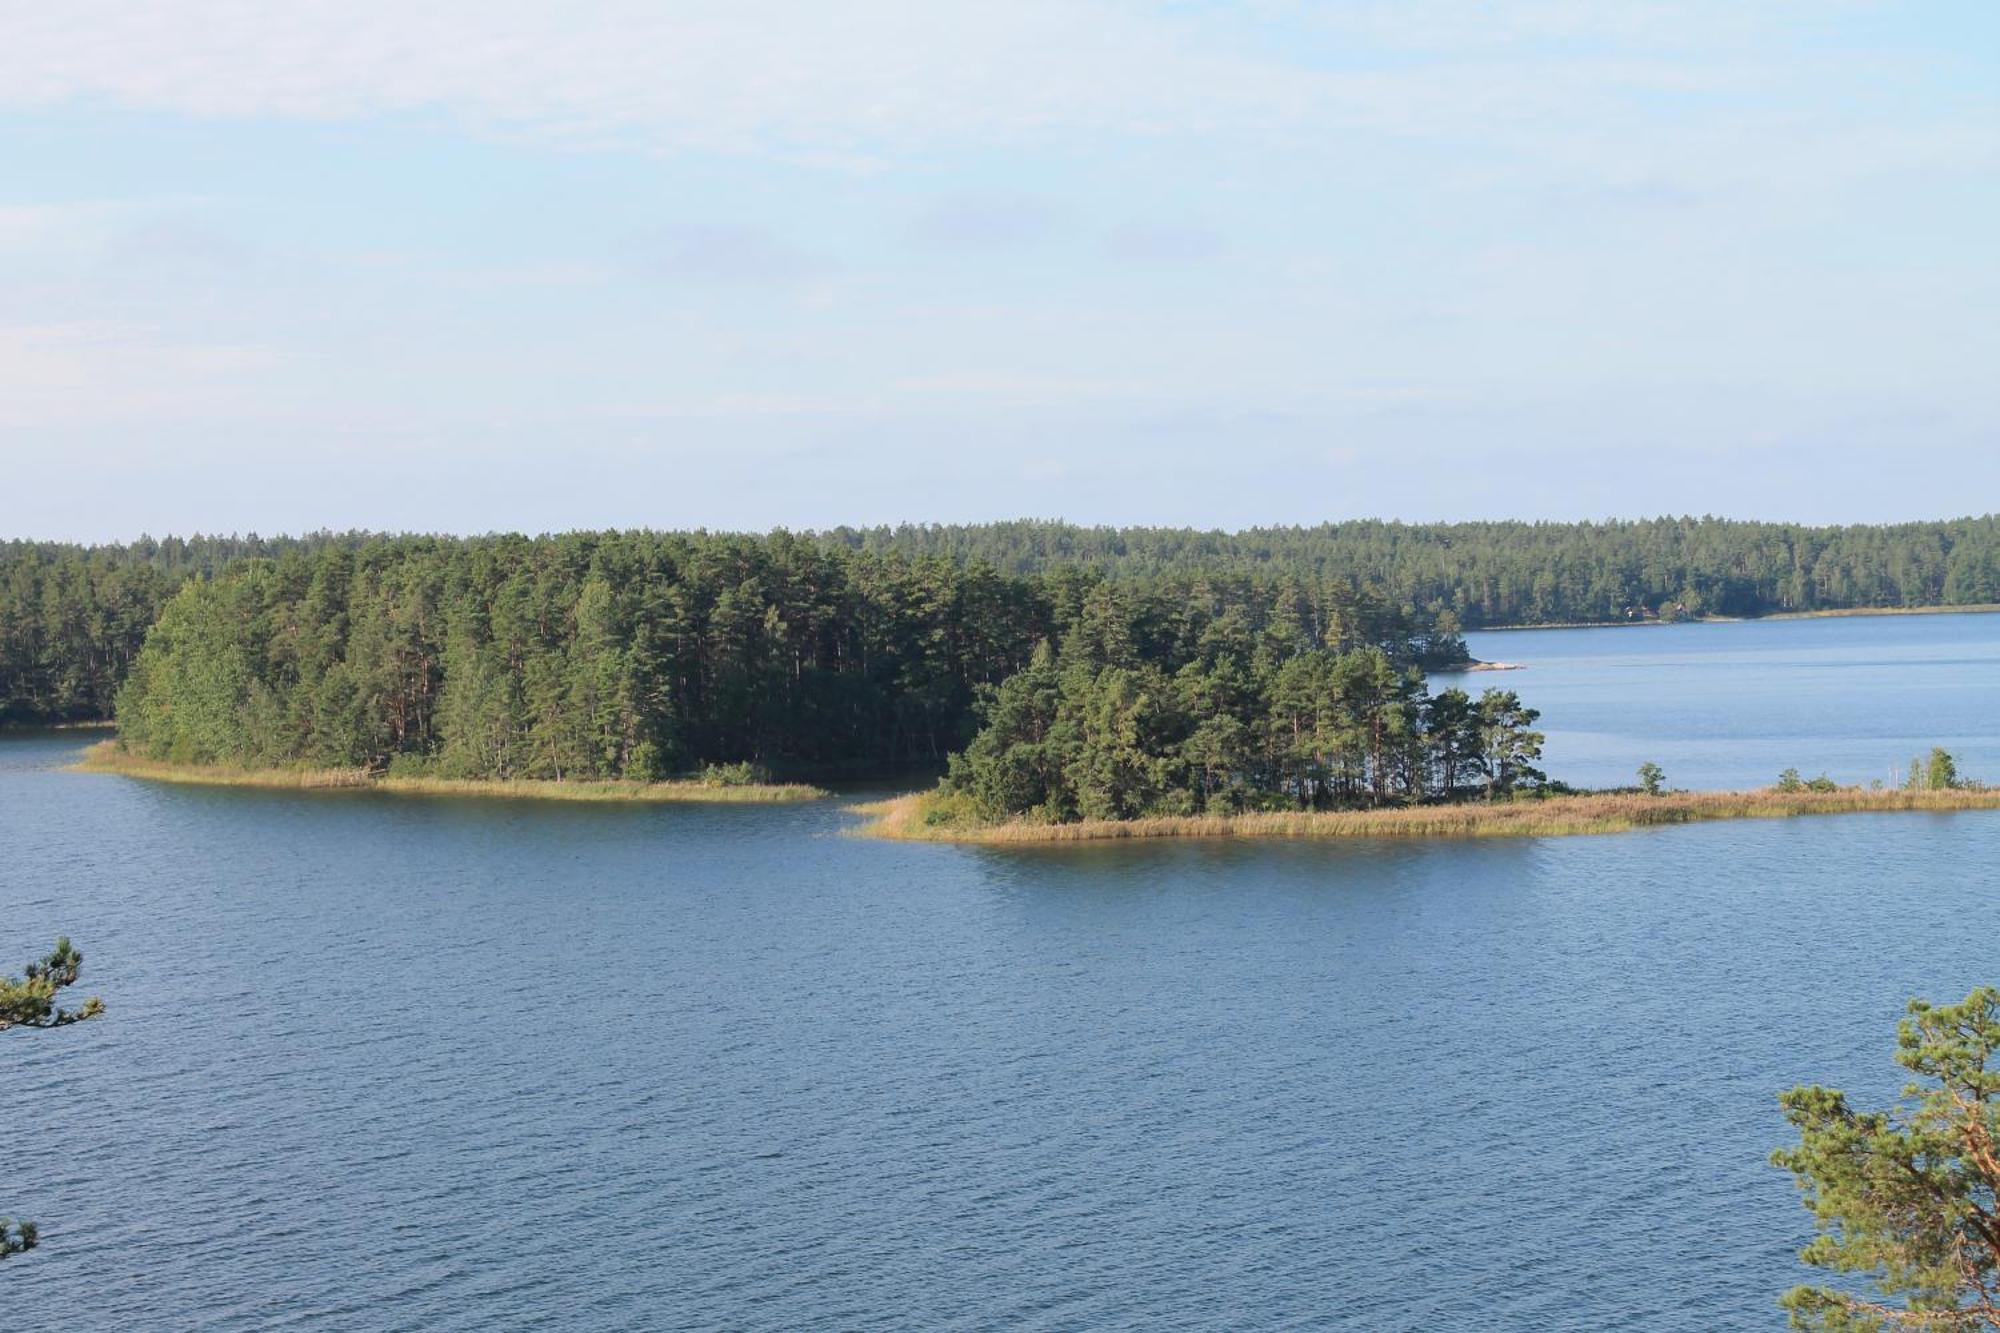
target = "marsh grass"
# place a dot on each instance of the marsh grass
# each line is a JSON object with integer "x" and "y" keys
{"x": 110, "y": 757}
{"x": 922, "y": 817}
{"x": 1976, "y": 608}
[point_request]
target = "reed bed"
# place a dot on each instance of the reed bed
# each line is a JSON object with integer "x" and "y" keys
{"x": 910, "y": 817}
{"x": 110, "y": 757}
{"x": 759, "y": 793}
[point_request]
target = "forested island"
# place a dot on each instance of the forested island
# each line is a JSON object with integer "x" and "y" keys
{"x": 1059, "y": 676}
{"x": 72, "y": 618}
{"x": 642, "y": 656}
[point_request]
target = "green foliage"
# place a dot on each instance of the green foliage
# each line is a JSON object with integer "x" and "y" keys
{"x": 1529, "y": 573}
{"x": 31, "y": 1001}
{"x": 17, "y": 1237}
{"x": 1938, "y": 772}
{"x": 1906, "y": 1197}
{"x": 733, "y": 775}
{"x": 1653, "y": 778}
{"x": 595, "y": 656}
{"x": 1256, "y": 706}
{"x": 1789, "y": 781}
{"x": 73, "y": 618}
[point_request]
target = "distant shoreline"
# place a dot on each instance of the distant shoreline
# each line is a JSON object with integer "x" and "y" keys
{"x": 916, "y": 817}
{"x": 109, "y": 757}
{"x": 1982, "y": 608}
{"x": 104, "y": 725}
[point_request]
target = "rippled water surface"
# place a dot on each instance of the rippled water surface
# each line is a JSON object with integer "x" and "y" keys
{"x": 1734, "y": 704}
{"x": 408, "y": 1063}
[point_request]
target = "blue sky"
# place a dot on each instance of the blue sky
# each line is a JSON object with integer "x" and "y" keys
{"x": 461, "y": 266}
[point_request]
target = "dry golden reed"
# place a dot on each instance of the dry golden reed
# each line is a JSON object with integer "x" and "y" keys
{"x": 109, "y": 757}
{"x": 1613, "y": 812}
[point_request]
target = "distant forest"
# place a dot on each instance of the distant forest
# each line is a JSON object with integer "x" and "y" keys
{"x": 1490, "y": 574}
{"x": 868, "y": 644}
{"x": 643, "y": 655}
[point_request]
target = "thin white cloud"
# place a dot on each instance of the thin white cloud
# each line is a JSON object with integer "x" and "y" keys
{"x": 866, "y": 78}
{"x": 729, "y": 75}
{"x": 102, "y": 371}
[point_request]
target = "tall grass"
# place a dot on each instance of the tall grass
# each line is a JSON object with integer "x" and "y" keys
{"x": 110, "y": 757}
{"x": 922, "y": 817}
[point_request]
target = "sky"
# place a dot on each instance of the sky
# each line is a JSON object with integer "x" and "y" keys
{"x": 475, "y": 265}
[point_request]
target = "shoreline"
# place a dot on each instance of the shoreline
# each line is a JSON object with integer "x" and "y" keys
{"x": 94, "y": 725}
{"x": 107, "y": 757}
{"x": 910, "y": 818}
{"x": 1978, "y": 609}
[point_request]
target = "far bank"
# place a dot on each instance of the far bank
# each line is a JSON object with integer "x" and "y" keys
{"x": 111, "y": 757}
{"x": 922, "y": 817}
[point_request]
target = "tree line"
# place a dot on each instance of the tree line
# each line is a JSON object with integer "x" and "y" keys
{"x": 1512, "y": 573}
{"x": 72, "y": 618}
{"x": 1238, "y": 716}
{"x": 644, "y": 655}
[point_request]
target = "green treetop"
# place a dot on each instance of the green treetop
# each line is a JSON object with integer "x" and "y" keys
{"x": 29, "y": 1001}
{"x": 1907, "y": 1196}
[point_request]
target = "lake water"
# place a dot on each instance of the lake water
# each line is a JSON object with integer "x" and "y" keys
{"x": 402, "y": 1063}
{"x": 1734, "y": 704}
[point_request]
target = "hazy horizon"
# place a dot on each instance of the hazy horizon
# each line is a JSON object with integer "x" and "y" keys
{"x": 267, "y": 533}
{"x": 429, "y": 265}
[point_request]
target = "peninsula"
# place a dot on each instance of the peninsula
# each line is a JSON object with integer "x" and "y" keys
{"x": 932, "y": 817}
{"x": 111, "y": 757}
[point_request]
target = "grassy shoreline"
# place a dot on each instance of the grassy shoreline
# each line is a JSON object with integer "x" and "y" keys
{"x": 109, "y": 757}
{"x": 1841, "y": 613}
{"x": 90, "y": 725}
{"x": 910, "y": 818}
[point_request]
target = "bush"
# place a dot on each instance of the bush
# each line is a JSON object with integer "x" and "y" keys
{"x": 1790, "y": 781}
{"x": 745, "y": 774}
{"x": 1938, "y": 772}
{"x": 950, "y": 807}
{"x": 411, "y": 766}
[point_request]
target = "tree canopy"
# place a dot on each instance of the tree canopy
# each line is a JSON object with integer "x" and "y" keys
{"x": 641, "y": 655}
{"x": 1906, "y": 1197}
{"x": 72, "y": 618}
{"x": 32, "y": 1001}
{"x": 1236, "y": 715}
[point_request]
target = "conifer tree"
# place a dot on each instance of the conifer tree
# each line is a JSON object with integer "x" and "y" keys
{"x": 32, "y": 1001}
{"x": 1906, "y": 1197}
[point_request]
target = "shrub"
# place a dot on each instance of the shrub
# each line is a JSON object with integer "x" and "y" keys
{"x": 744, "y": 774}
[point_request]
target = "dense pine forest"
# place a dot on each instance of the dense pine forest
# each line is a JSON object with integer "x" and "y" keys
{"x": 1237, "y": 716}
{"x": 643, "y": 655}
{"x": 1489, "y": 574}
{"x": 73, "y": 618}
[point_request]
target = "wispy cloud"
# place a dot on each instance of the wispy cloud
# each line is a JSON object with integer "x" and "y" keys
{"x": 758, "y": 75}
{"x": 723, "y": 252}
{"x": 101, "y": 371}
{"x": 869, "y": 77}
{"x": 984, "y": 222}
{"x": 1163, "y": 243}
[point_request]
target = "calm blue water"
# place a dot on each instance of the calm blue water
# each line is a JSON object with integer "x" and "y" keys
{"x": 383, "y": 1063}
{"x": 1733, "y": 705}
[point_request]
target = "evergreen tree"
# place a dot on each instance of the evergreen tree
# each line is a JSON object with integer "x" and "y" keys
{"x": 33, "y": 1000}
{"x": 1906, "y": 1197}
